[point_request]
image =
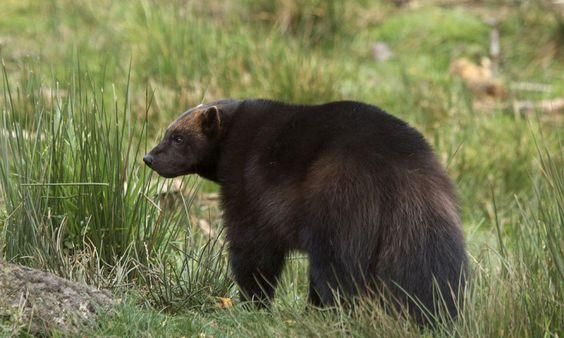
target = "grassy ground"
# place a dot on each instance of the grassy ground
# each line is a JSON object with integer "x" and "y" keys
{"x": 88, "y": 87}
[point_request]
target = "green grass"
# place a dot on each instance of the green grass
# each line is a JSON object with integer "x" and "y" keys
{"x": 89, "y": 87}
{"x": 78, "y": 203}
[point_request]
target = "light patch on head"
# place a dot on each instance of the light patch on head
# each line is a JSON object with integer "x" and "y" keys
{"x": 188, "y": 122}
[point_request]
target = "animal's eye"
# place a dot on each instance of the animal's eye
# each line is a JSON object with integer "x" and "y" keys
{"x": 177, "y": 139}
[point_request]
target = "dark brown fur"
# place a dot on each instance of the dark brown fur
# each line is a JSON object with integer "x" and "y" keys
{"x": 356, "y": 189}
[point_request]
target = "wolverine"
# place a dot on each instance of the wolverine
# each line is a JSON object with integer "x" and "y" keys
{"x": 353, "y": 187}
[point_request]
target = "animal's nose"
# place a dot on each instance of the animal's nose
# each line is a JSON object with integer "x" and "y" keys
{"x": 148, "y": 159}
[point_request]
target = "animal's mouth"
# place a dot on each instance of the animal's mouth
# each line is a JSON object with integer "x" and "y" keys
{"x": 167, "y": 175}
{"x": 172, "y": 174}
{"x": 154, "y": 164}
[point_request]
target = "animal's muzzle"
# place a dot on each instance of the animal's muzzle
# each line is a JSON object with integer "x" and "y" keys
{"x": 148, "y": 159}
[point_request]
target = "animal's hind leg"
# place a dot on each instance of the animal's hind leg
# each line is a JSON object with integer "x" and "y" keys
{"x": 313, "y": 297}
{"x": 331, "y": 276}
{"x": 428, "y": 277}
{"x": 340, "y": 235}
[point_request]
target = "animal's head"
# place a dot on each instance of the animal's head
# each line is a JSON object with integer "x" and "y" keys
{"x": 190, "y": 143}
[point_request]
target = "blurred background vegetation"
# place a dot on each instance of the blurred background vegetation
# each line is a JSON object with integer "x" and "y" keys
{"x": 89, "y": 86}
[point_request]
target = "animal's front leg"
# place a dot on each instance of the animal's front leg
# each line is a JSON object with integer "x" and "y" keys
{"x": 256, "y": 268}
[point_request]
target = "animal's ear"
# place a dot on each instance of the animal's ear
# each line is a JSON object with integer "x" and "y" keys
{"x": 211, "y": 121}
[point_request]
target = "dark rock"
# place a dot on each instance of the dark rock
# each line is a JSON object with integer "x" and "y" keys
{"x": 40, "y": 302}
